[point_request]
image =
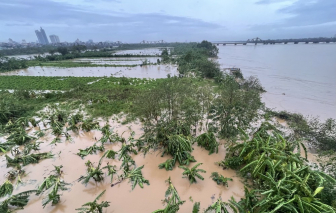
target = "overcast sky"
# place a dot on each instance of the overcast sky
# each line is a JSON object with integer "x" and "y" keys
{"x": 170, "y": 20}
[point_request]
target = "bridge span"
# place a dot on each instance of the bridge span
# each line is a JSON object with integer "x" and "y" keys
{"x": 257, "y": 40}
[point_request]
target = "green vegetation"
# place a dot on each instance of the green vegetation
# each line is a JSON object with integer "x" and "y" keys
{"x": 172, "y": 200}
{"x": 54, "y": 182}
{"x": 26, "y": 159}
{"x": 221, "y": 207}
{"x": 90, "y": 150}
{"x": 9, "y": 64}
{"x": 199, "y": 107}
{"x": 208, "y": 141}
{"x": 19, "y": 201}
{"x": 95, "y": 173}
{"x": 220, "y": 179}
{"x": 6, "y": 189}
{"x": 193, "y": 173}
{"x": 94, "y": 207}
{"x": 283, "y": 177}
{"x": 28, "y": 50}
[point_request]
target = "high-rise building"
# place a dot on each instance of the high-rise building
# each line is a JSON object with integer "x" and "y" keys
{"x": 54, "y": 39}
{"x": 41, "y": 36}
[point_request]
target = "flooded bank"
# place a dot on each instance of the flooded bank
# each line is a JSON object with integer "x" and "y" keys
{"x": 145, "y": 71}
{"x": 122, "y": 198}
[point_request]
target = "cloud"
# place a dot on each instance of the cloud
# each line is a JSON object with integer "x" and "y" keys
{"x": 18, "y": 24}
{"x": 308, "y": 12}
{"x": 84, "y": 22}
{"x": 270, "y": 1}
{"x": 133, "y": 21}
{"x": 305, "y": 17}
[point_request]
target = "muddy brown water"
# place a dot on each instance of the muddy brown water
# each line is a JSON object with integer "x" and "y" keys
{"x": 118, "y": 61}
{"x": 122, "y": 198}
{"x": 145, "y": 51}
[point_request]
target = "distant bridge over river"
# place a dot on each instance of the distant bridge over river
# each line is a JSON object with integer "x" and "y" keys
{"x": 257, "y": 40}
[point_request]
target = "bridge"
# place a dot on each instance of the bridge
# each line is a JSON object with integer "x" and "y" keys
{"x": 258, "y": 40}
{"x": 153, "y": 42}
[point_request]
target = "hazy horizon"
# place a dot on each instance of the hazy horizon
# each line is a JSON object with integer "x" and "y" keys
{"x": 129, "y": 21}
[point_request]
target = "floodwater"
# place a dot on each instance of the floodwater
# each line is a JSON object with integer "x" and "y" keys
{"x": 122, "y": 198}
{"x": 145, "y": 71}
{"x": 146, "y": 51}
{"x": 119, "y": 61}
{"x": 298, "y": 77}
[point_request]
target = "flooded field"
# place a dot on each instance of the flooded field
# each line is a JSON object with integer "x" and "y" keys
{"x": 118, "y": 61}
{"x": 146, "y": 71}
{"x": 147, "y": 51}
{"x": 122, "y": 198}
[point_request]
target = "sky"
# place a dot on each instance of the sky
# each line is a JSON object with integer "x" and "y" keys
{"x": 132, "y": 21}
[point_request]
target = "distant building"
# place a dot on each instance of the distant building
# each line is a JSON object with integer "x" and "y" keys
{"x": 54, "y": 39}
{"x": 41, "y": 36}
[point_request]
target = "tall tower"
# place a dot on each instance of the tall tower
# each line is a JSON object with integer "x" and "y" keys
{"x": 45, "y": 38}
{"x": 38, "y": 35}
{"x": 42, "y": 37}
{"x": 54, "y": 39}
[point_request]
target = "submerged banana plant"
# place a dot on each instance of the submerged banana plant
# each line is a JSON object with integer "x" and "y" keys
{"x": 94, "y": 207}
{"x": 53, "y": 196}
{"x": 221, "y": 207}
{"x": 167, "y": 165}
{"x": 95, "y": 173}
{"x": 90, "y": 150}
{"x": 18, "y": 201}
{"x": 220, "y": 179}
{"x": 27, "y": 159}
{"x": 111, "y": 170}
{"x": 32, "y": 146}
{"x": 208, "y": 141}
{"x": 172, "y": 199}
{"x": 6, "y": 189}
{"x": 193, "y": 173}
{"x": 135, "y": 176}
